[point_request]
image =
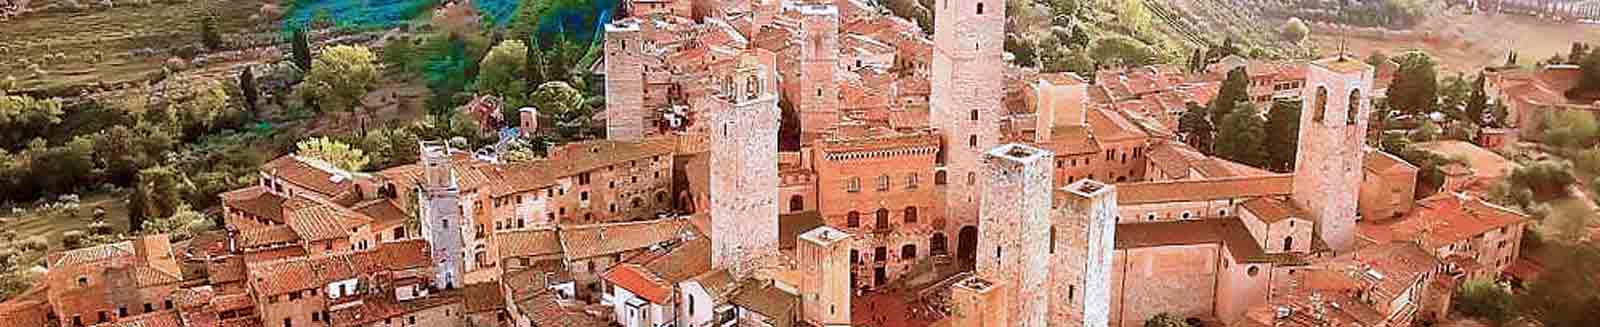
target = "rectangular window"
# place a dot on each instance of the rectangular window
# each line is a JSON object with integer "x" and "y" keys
{"x": 853, "y": 185}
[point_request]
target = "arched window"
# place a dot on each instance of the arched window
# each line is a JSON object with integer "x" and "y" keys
{"x": 972, "y": 178}
{"x": 797, "y": 203}
{"x": 911, "y": 215}
{"x": 1320, "y": 104}
{"x": 972, "y": 141}
{"x": 1355, "y": 107}
{"x": 940, "y": 178}
{"x": 852, "y": 219}
{"x": 908, "y": 252}
{"x": 980, "y": 8}
{"x": 752, "y": 87}
{"x": 1288, "y": 243}
{"x": 883, "y": 218}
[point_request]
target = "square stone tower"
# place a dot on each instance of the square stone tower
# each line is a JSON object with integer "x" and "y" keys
{"x": 1014, "y": 228}
{"x": 818, "y": 101}
{"x": 744, "y": 164}
{"x": 978, "y": 302}
{"x": 1333, "y": 127}
{"x": 824, "y": 255}
{"x": 624, "y": 51}
{"x": 967, "y": 88}
{"x": 443, "y": 225}
{"x": 1082, "y": 243}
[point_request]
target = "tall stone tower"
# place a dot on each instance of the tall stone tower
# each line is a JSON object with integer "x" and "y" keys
{"x": 1082, "y": 243}
{"x": 624, "y": 51}
{"x": 442, "y": 221}
{"x": 1333, "y": 125}
{"x": 818, "y": 101}
{"x": 965, "y": 104}
{"x": 978, "y": 302}
{"x": 1014, "y": 228}
{"x": 824, "y": 255}
{"x": 744, "y": 164}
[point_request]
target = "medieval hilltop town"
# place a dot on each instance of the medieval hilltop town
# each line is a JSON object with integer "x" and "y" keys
{"x": 796, "y": 163}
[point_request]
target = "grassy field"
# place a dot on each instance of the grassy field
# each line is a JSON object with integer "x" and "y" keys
{"x": 113, "y": 34}
{"x": 51, "y": 225}
{"x": 1468, "y": 43}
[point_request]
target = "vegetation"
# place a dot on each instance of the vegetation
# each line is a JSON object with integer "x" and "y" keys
{"x": 1415, "y": 89}
{"x": 1588, "y": 86}
{"x": 336, "y": 153}
{"x": 1242, "y": 136}
{"x": 1483, "y": 299}
{"x": 1234, "y": 91}
{"x": 1570, "y": 129}
{"x": 1196, "y": 128}
{"x": 503, "y": 74}
{"x": 340, "y": 77}
{"x": 1283, "y": 135}
{"x": 1165, "y": 319}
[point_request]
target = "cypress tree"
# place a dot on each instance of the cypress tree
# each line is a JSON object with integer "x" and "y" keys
{"x": 247, "y": 87}
{"x": 1235, "y": 89}
{"x": 302, "y": 49}
{"x": 1283, "y": 135}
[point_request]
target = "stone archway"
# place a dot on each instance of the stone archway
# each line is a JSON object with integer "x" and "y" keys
{"x": 967, "y": 245}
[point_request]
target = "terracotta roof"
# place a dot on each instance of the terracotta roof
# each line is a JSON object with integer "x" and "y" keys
{"x": 25, "y": 313}
{"x": 768, "y": 299}
{"x": 232, "y": 302}
{"x": 527, "y": 243}
{"x": 1174, "y": 158}
{"x": 545, "y": 311}
{"x": 1272, "y": 210}
{"x": 1072, "y": 139}
{"x": 1343, "y": 65}
{"x": 1486, "y": 164}
{"x": 682, "y": 262}
{"x": 791, "y": 225}
{"x": 227, "y": 271}
{"x": 1196, "y": 190}
{"x": 324, "y": 222}
{"x": 384, "y": 212}
{"x": 311, "y": 174}
{"x": 378, "y": 307}
{"x": 147, "y": 276}
{"x": 397, "y": 255}
{"x": 1109, "y": 126}
{"x": 255, "y": 201}
{"x": 572, "y": 159}
{"x": 300, "y": 273}
{"x": 164, "y": 318}
{"x": 1382, "y": 162}
{"x": 92, "y": 254}
{"x": 482, "y": 297}
{"x": 263, "y": 236}
{"x": 586, "y": 241}
{"x": 1229, "y": 232}
{"x": 641, "y": 282}
{"x": 1442, "y": 219}
{"x": 719, "y": 284}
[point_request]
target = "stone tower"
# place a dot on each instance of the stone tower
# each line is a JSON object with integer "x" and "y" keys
{"x": 977, "y": 302}
{"x": 744, "y": 164}
{"x": 624, "y": 51}
{"x": 967, "y": 86}
{"x": 1014, "y": 228}
{"x": 824, "y": 260}
{"x": 1333, "y": 125}
{"x": 818, "y": 98}
{"x": 440, "y": 214}
{"x": 1081, "y": 247}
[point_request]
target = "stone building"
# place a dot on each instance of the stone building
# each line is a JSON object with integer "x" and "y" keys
{"x": 744, "y": 168}
{"x": 880, "y": 185}
{"x": 1388, "y": 186}
{"x": 1082, "y": 244}
{"x": 625, "y": 80}
{"x": 817, "y": 99}
{"x": 443, "y": 223}
{"x": 1015, "y": 223}
{"x": 965, "y": 105}
{"x": 1333, "y": 127}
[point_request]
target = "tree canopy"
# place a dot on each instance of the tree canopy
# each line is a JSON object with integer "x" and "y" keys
{"x": 503, "y": 74}
{"x": 1415, "y": 88}
{"x": 333, "y": 152}
{"x": 340, "y": 76}
{"x": 1242, "y": 136}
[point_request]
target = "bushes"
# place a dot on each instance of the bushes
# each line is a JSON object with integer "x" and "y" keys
{"x": 1484, "y": 299}
{"x": 34, "y": 243}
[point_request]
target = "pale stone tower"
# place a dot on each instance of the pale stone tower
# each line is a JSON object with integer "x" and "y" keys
{"x": 624, "y": 51}
{"x": 818, "y": 101}
{"x": 1014, "y": 228}
{"x": 967, "y": 87}
{"x": 1082, "y": 243}
{"x": 824, "y": 255}
{"x": 1333, "y": 125}
{"x": 442, "y": 221}
{"x": 744, "y": 165}
{"x": 977, "y": 302}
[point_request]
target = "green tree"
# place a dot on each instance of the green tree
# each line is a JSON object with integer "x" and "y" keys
{"x": 1165, "y": 319}
{"x": 1283, "y": 134}
{"x": 566, "y": 108}
{"x": 1426, "y": 132}
{"x": 209, "y": 36}
{"x": 1570, "y": 129}
{"x": 341, "y": 76}
{"x": 391, "y": 147}
{"x": 182, "y": 225}
{"x": 1196, "y": 128}
{"x": 1547, "y": 178}
{"x": 333, "y": 152}
{"x": 1478, "y": 103}
{"x": 301, "y": 49}
{"x": 1295, "y": 30}
{"x": 208, "y": 101}
{"x": 1235, "y": 90}
{"x": 1061, "y": 59}
{"x": 1566, "y": 292}
{"x": 1025, "y": 51}
{"x": 1242, "y": 136}
{"x": 1484, "y": 299}
{"x": 1588, "y": 86}
{"x": 1122, "y": 51}
{"x": 1415, "y": 88}
{"x": 1578, "y": 52}
{"x": 157, "y": 192}
{"x": 24, "y": 117}
{"x": 1377, "y": 59}
{"x": 62, "y": 169}
{"x": 248, "y": 89}
{"x": 503, "y": 73}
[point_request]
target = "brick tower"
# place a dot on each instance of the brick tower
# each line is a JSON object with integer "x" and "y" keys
{"x": 624, "y": 51}
{"x": 442, "y": 221}
{"x": 818, "y": 98}
{"x": 1014, "y": 228}
{"x": 1081, "y": 248}
{"x": 824, "y": 254}
{"x": 744, "y": 164}
{"x": 1333, "y": 125}
{"x": 967, "y": 86}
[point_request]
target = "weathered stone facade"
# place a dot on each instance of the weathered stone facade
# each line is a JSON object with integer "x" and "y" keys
{"x": 1082, "y": 243}
{"x": 881, "y": 189}
{"x": 744, "y": 165}
{"x": 825, "y": 280}
{"x": 1014, "y": 229}
{"x": 625, "y": 111}
{"x": 967, "y": 88}
{"x": 818, "y": 98}
{"x": 1333, "y": 125}
{"x": 443, "y": 224}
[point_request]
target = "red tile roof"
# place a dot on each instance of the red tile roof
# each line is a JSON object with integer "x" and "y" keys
{"x": 1209, "y": 189}
{"x": 315, "y": 176}
{"x": 325, "y": 222}
{"x": 255, "y": 201}
{"x": 482, "y": 297}
{"x": 640, "y": 282}
{"x": 586, "y": 241}
{"x": 1227, "y": 232}
{"x": 1272, "y": 210}
{"x": 264, "y": 236}
{"x": 1443, "y": 219}
{"x": 527, "y": 243}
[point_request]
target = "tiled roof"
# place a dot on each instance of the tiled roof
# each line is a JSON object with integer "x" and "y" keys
{"x": 262, "y": 236}
{"x": 317, "y": 177}
{"x": 300, "y": 273}
{"x": 165, "y": 318}
{"x": 255, "y": 201}
{"x": 377, "y": 308}
{"x": 1196, "y": 190}
{"x": 232, "y": 302}
{"x": 1486, "y": 164}
{"x": 1343, "y": 65}
{"x": 324, "y": 222}
{"x": 397, "y": 255}
{"x": 571, "y": 159}
{"x": 482, "y": 297}
{"x": 719, "y": 284}
{"x": 1442, "y": 219}
{"x": 1072, "y": 139}
{"x": 587, "y": 241}
{"x": 527, "y": 243}
{"x": 1109, "y": 126}
{"x": 1381, "y": 162}
{"x": 1272, "y": 210}
{"x": 147, "y": 276}
{"x": 92, "y": 254}
{"x": 791, "y": 225}
{"x": 682, "y": 262}
{"x": 384, "y": 212}
{"x": 1229, "y": 232}
{"x": 766, "y": 298}
{"x": 24, "y": 313}
{"x": 640, "y": 282}
{"x": 1173, "y": 158}
{"x": 547, "y": 312}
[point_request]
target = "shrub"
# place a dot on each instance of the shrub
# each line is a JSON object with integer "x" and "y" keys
{"x": 34, "y": 243}
{"x": 73, "y": 239}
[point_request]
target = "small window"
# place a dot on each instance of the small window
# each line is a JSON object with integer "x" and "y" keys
{"x": 852, "y": 219}
{"x": 972, "y": 140}
{"x": 1355, "y": 106}
{"x": 974, "y": 112}
{"x": 883, "y": 183}
{"x": 980, "y": 8}
{"x": 1320, "y": 104}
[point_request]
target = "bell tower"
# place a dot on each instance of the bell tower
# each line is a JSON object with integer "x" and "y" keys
{"x": 441, "y": 218}
{"x": 744, "y": 164}
{"x": 1333, "y": 127}
{"x": 967, "y": 88}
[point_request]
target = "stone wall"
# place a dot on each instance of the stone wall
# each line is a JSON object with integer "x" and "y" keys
{"x": 744, "y": 166}
{"x": 817, "y": 96}
{"x": 1014, "y": 229}
{"x": 967, "y": 89}
{"x": 625, "y": 112}
{"x": 1328, "y": 163}
{"x": 1177, "y": 279}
